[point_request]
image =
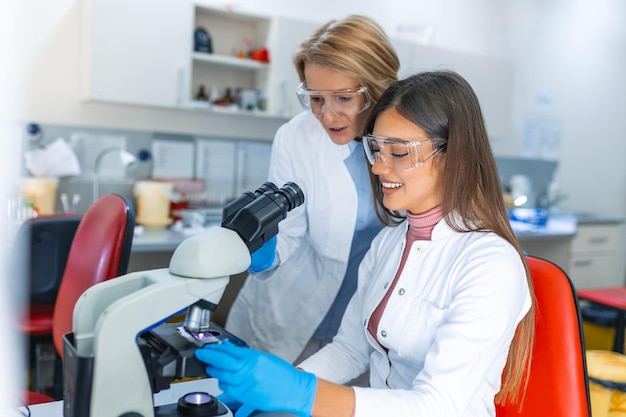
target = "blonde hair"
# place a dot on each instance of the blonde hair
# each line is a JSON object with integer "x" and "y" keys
{"x": 356, "y": 47}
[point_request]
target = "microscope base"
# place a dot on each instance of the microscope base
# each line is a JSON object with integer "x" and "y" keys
{"x": 173, "y": 410}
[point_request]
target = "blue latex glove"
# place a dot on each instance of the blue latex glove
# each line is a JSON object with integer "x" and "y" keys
{"x": 259, "y": 380}
{"x": 229, "y": 401}
{"x": 263, "y": 257}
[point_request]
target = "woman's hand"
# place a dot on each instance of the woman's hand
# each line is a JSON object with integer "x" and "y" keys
{"x": 259, "y": 380}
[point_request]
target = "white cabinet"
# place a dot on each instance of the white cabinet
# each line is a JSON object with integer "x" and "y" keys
{"x": 594, "y": 256}
{"x": 553, "y": 249}
{"x": 142, "y": 52}
{"x": 136, "y": 52}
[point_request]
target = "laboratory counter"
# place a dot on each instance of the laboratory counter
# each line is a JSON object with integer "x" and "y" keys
{"x": 153, "y": 248}
{"x": 166, "y": 240}
{"x": 159, "y": 240}
{"x": 555, "y": 241}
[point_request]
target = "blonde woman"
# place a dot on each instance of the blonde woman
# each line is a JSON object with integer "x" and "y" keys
{"x": 297, "y": 291}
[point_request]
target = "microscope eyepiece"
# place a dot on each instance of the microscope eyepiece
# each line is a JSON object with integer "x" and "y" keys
{"x": 256, "y": 221}
{"x": 266, "y": 187}
{"x": 293, "y": 194}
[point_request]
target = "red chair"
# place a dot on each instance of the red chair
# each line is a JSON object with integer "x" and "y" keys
{"x": 100, "y": 251}
{"x": 557, "y": 385}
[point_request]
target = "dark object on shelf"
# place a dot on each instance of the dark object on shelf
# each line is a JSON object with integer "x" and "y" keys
{"x": 227, "y": 99}
{"x": 202, "y": 41}
{"x": 35, "y": 134}
{"x": 201, "y": 95}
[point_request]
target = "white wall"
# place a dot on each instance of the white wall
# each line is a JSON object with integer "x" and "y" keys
{"x": 574, "y": 52}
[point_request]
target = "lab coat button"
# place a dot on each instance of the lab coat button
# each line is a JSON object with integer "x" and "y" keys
{"x": 418, "y": 249}
{"x": 386, "y": 285}
{"x": 383, "y": 333}
{"x": 401, "y": 291}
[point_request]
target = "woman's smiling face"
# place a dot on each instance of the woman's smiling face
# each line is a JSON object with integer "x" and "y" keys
{"x": 415, "y": 190}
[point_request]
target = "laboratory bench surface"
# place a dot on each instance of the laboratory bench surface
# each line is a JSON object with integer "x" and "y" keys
{"x": 166, "y": 240}
{"x": 162, "y": 240}
{"x": 169, "y": 396}
{"x": 153, "y": 249}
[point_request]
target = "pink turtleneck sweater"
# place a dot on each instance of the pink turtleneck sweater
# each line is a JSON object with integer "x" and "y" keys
{"x": 420, "y": 228}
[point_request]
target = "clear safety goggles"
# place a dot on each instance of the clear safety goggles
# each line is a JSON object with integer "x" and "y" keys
{"x": 398, "y": 154}
{"x": 349, "y": 102}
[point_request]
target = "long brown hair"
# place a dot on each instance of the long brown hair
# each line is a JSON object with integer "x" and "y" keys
{"x": 445, "y": 106}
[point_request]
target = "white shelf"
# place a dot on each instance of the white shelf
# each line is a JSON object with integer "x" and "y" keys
{"x": 203, "y": 106}
{"x": 230, "y": 61}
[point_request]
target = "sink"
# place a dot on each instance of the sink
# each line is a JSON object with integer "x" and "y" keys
{"x": 84, "y": 187}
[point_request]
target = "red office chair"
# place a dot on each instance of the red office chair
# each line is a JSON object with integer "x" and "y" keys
{"x": 557, "y": 386}
{"x": 100, "y": 251}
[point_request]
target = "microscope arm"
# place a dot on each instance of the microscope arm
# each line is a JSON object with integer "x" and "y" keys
{"x": 109, "y": 316}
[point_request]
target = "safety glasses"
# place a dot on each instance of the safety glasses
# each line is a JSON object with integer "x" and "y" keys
{"x": 398, "y": 154}
{"x": 349, "y": 102}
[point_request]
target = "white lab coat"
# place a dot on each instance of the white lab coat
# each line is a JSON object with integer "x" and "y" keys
{"x": 279, "y": 310}
{"x": 448, "y": 325}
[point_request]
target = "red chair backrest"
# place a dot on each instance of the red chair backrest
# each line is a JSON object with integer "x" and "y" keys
{"x": 100, "y": 251}
{"x": 558, "y": 376}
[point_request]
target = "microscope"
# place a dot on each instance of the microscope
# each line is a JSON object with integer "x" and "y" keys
{"x": 123, "y": 349}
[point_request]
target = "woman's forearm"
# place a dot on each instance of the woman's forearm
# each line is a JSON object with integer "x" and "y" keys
{"x": 333, "y": 400}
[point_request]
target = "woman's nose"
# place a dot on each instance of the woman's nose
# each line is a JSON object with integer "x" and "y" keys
{"x": 328, "y": 112}
{"x": 379, "y": 167}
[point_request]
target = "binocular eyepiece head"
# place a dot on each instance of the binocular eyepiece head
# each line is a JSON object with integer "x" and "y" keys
{"x": 255, "y": 216}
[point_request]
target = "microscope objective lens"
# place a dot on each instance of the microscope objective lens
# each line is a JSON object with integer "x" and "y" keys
{"x": 197, "y": 320}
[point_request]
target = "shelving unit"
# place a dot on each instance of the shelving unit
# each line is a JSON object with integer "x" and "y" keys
{"x": 233, "y": 36}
